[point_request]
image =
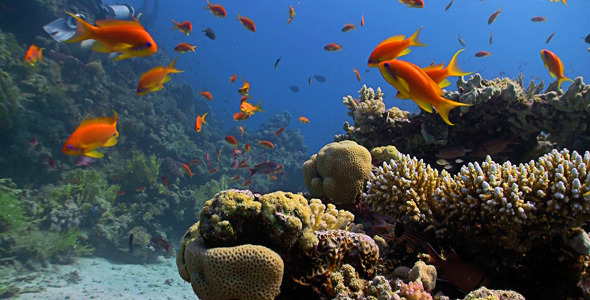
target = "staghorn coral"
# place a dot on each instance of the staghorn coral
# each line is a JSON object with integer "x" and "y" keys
{"x": 240, "y": 272}
{"x": 338, "y": 172}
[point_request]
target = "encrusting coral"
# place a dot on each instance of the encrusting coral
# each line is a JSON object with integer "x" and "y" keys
{"x": 338, "y": 172}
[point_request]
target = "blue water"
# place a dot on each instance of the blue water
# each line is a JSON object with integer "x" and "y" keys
{"x": 516, "y": 47}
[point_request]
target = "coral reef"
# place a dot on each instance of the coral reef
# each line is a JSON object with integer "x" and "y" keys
{"x": 338, "y": 172}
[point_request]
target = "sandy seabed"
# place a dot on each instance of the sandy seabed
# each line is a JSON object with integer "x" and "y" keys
{"x": 97, "y": 278}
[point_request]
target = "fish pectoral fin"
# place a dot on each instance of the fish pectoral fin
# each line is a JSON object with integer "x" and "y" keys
{"x": 111, "y": 142}
{"x": 166, "y": 79}
{"x": 123, "y": 56}
{"x": 100, "y": 47}
{"x": 552, "y": 75}
{"x": 423, "y": 105}
{"x": 402, "y": 96}
{"x": 156, "y": 88}
{"x": 444, "y": 83}
{"x": 123, "y": 47}
{"x": 94, "y": 154}
{"x": 405, "y": 52}
{"x": 402, "y": 86}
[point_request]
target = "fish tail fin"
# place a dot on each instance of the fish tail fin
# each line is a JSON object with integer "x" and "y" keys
{"x": 172, "y": 67}
{"x": 252, "y": 172}
{"x": 414, "y": 39}
{"x": 204, "y": 115}
{"x": 191, "y": 175}
{"x": 176, "y": 24}
{"x": 434, "y": 257}
{"x": 562, "y": 79}
{"x": 258, "y": 107}
{"x": 41, "y": 54}
{"x": 84, "y": 30}
{"x": 564, "y": 2}
{"x": 444, "y": 106}
{"x": 453, "y": 67}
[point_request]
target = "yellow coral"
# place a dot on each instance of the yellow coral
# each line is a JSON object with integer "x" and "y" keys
{"x": 241, "y": 272}
{"x": 338, "y": 172}
{"x": 323, "y": 218}
{"x": 385, "y": 153}
{"x": 191, "y": 234}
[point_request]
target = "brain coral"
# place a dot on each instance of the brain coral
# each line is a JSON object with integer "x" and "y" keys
{"x": 241, "y": 272}
{"x": 338, "y": 172}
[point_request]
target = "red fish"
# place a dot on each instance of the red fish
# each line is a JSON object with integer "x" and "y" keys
{"x": 266, "y": 144}
{"x": 188, "y": 171}
{"x": 208, "y": 159}
{"x": 413, "y": 3}
{"x": 266, "y": 167}
{"x": 241, "y": 116}
{"x": 233, "y": 78}
{"x": 120, "y": 193}
{"x": 493, "y": 16}
{"x": 231, "y": 140}
{"x": 362, "y": 20}
{"x": 553, "y": 63}
{"x": 456, "y": 271}
{"x": 348, "y": 27}
{"x": 241, "y": 132}
{"x": 236, "y": 152}
{"x": 34, "y": 55}
{"x": 212, "y": 170}
{"x": 243, "y": 164}
{"x": 247, "y": 182}
{"x": 394, "y": 47}
{"x": 247, "y": 147}
{"x": 160, "y": 244}
{"x": 358, "y": 75}
{"x": 184, "y": 47}
{"x": 279, "y": 131}
{"x": 185, "y": 27}
{"x": 236, "y": 178}
{"x": 483, "y": 54}
{"x": 272, "y": 177}
{"x": 333, "y": 47}
{"x": 195, "y": 161}
{"x": 140, "y": 189}
{"x": 33, "y": 143}
{"x": 207, "y": 95}
{"x": 249, "y": 24}
{"x": 234, "y": 163}
{"x": 216, "y": 9}
{"x": 165, "y": 181}
{"x": 199, "y": 122}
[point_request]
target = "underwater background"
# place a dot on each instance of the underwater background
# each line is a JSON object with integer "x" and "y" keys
{"x": 280, "y": 183}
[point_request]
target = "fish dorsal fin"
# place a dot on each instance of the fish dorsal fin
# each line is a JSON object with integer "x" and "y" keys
{"x": 99, "y": 120}
{"x": 114, "y": 22}
{"x": 395, "y": 38}
{"x": 433, "y": 67}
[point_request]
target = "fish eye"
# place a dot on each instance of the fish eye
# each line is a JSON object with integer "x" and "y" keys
{"x": 70, "y": 147}
{"x": 386, "y": 65}
{"x": 148, "y": 44}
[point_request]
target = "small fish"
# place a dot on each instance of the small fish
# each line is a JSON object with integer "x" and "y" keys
{"x": 494, "y": 15}
{"x": 348, "y": 27}
{"x": 448, "y": 167}
{"x": 248, "y": 108}
{"x": 195, "y": 161}
{"x": 266, "y": 167}
{"x": 85, "y": 161}
{"x": 459, "y": 161}
{"x": 33, "y": 143}
{"x": 461, "y": 41}
{"x": 491, "y": 38}
{"x": 439, "y": 74}
{"x": 277, "y": 62}
{"x": 231, "y": 140}
{"x": 199, "y": 122}
{"x": 120, "y": 193}
{"x": 184, "y": 47}
{"x": 160, "y": 244}
{"x": 130, "y": 243}
{"x": 206, "y": 94}
{"x": 449, "y": 5}
{"x": 587, "y": 39}
{"x": 115, "y": 36}
{"x": 553, "y": 63}
{"x": 241, "y": 132}
{"x": 244, "y": 98}
{"x": 279, "y": 131}
{"x": 165, "y": 181}
{"x": 247, "y": 147}
{"x": 212, "y": 170}
{"x": 233, "y": 78}
{"x": 358, "y": 75}
{"x": 333, "y": 47}
{"x": 247, "y": 182}
{"x": 140, "y": 189}
{"x": 208, "y": 159}
{"x": 154, "y": 79}
{"x": 442, "y": 162}
{"x": 551, "y": 36}
{"x": 187, "y": 170}
{"x": 241, "y": 116}
{"x": 234, "y": 164}
{"x": 266, "y": 144}
{"x": 564, "y": 1}
{"x": 291, "y": 14}
{"x": 248, "y": 24}
{"x": 303, "y": 120}
{"x": 294, "y": 88}
{"x": 209, "y": 32}
{"x": 272, "y": 177}
{"x": 237, "y": 152}
{"x": 413, "y": 3}
{"x": 320, "y": 78}
{"x": 452, "y": 152}
{"x": 362, "y": 20}
{"x": 309, "y": 79}
{"x": 49, "y": 161}
{"x": 538, "y": 19}
{"x": 185, "y": 27}
{"x": 92, "y": 134}
{"x": 34, "y": 55}
{"x": 219, "y": 153}
{"x": 243, "y": 164}
{"x": 245, "y": 89}
{"x": 216, "y": 9}
{"x": 482, "y": 54}
{"x": 394, "y": 47}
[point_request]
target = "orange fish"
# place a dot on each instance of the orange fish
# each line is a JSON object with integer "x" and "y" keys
{"x": 247, "y": 182}
{"x": 439, "y": 74}
{"x": 185, "y": 27}
{"x": 120, "y": 193}
{"x": 348, "y": 27}
{"x": 184, "y": 47}
{"x": 303, "y": 120}
{"x": 92, "y": 134}
{"x": 200, "y": 121}
{"x": 140, "y": 189}
{"x": 206, "y": 94}
{"x": 245, "y": 89}
{"x": 493, "y": 16}
{"x": 247, "y": 147}
{"x": 266, "y": 144}
{"x": 216, "y": 9}
{"x": 233, "y": 78}
{"x": 272, "y": 177}
{"x": 291, "y": 14}
{"x": 236, "y": 178}
{"x": 394, "y": 47}
{"x": 483, "y": 54}
{"x": 244, "y": 98}
{"x": 154, "y": 79}
{"x": 249, "y": 24}
{"x": 241, "y": 132}
{"x": 212, "y": 170}
{"x": 195, "y": 161}
{"x": 553, "y": 63}
{"x": 187, "y": 169}
{"x": 413, "y": 83}
{"x": 358, "y": 75}
{"x": 362, "y": 20}
{"x": 33, "y": 55}
{"x": 564, "y": 1}
{"x": 333, "y": 47}
{"x": 279, "y": 131}
{"x": 413, "y": 3}
{"x": 241, "y": 116}
{"x": 231, "y": 140}
{"x": 126, "y": 37}
{"x": 248, "y": 108}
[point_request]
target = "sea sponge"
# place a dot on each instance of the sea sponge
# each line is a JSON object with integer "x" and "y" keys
{"x": 338, "y": 172}
{"x": 240, "y": 272}
{"x": 385, "y": 153}
{"x": 191, "y": 234}
{"x": 424, "y": 273}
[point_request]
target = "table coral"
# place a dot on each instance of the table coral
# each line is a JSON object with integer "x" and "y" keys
{"x": 338, "y": 172}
